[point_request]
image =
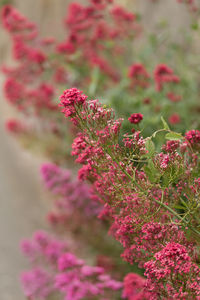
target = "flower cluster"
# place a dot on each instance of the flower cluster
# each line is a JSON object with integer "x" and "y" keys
{"x": 139, "y": 207}
{"x": 78, "y": 280}
{"x": 15, "y": 126}
{"x": 138, "y": 75}
{"x": 135, "y": 118}
{"x": 90, "y": 31}
{"x": 193, "y": 138}
{"x": 94, "y": 32}
{"x": 134, "y": 287}
{"x": 95, "y": 53}
{"x": 170, "y": 268}
{"x": 56, "y": 271}
{"x": 162, "y": 75}
{"x": 15, "y": 22}
{"x": 75, "y": 198}
{"x": 152, "y": 90}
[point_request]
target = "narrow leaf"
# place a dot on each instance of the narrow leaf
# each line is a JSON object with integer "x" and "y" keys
{"x": 150, "y": 147}
{"x": 166, "y": 126}
{"x": 173, "y": 136}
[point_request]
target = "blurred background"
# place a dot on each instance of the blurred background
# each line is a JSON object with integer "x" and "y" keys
{"x": 23, "y": 206}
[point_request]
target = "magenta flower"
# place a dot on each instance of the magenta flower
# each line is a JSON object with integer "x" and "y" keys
{"x": 135, "y": 118}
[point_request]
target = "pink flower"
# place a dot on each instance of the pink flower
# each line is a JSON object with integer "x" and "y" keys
{"x": 138, "y": 75}
{"x": 169, "y": 269}
{"x": 193, "y": 137}
{"x": 14, "y": 21}
{"x": 14, "y": 92}
{"x": 135, "y": 118}
{"x": 120, "y": 14}
{"x": 66, "y": 47}
{"x": 37, "y": 283}
{"x": 134, "y": 287}
{"x": 174, "y": 119}
{"x": 15, "y": 126}
{"x": 72, "y": 97}
{"x": 67, "y": 261}
{"x": 171, "y": 146}
{"x": 163, "y": 74}
{"x": 173, "y": 97}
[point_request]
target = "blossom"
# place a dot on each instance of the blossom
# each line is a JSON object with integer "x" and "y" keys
{"x": 134, "y": 287}
{"x": 57, "y": 271}
{"x": 171, "y": 267}
{"x": 80, "y": 281}
{"x": 135, "y": 118}
{"x": 13, "y": 21}
{"x": 72, "y": 196}
{"x": 171, "y": 146}
{"x": 60, "y": 76}
{"x": 174, "y": 119}
{"x": 72, "y": 97}
{"x": 193, "y": 138}
{"x": 14, "y": 92}
{"x": 120, "y": 14}
{"x": 37, "y": 283}
{"x": 68, "y": 260}
{"x": 15, "y": 126}
{"x": 138, "y": 75}
{"x": 173, "y": 97}
{"x": 164, "y": 74}
{"x": 135, "y": 204}
{"x": 66, "y": 47}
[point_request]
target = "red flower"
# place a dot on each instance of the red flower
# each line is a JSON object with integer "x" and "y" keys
{"x": 135, "y": 118}
{"x": 139, "y": 75}
{"x": 174, "y": 119}
{"x": 193, "y": 137}
{"x": 163, "y": 74}
{"x": 173, "y": 97}
{"x": 134, "y": 287}
{"x": 147, "y": 100}
{"x": 14, "y": 126}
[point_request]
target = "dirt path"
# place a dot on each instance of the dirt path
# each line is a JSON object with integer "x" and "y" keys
{"x": 22, "y": 209}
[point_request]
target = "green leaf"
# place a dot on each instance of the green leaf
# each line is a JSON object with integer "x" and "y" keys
{"x": 151, "y": 172}
{"x": 166, "y": 180}
{"x": 149, "y": 145}
{"x": 173, "y": 136}
{"x": 179, "y": 207}
{"x": 166, "y": 126}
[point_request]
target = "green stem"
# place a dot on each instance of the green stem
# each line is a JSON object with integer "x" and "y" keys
{"x": 155, "y": 200}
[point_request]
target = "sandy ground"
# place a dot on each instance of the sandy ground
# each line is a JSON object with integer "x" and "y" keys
{"x": 22, "y": 208}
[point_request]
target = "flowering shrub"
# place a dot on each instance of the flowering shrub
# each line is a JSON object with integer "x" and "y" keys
{"x": 76, "y": 203}
{"x": 98, "y": 54}
{"x": 56, "y": 271}
{"x": 75, "y": 197}
{"x": 148, "y": 194}
{"x": 144, "y": 182}
{"x": 173, "y": 266}
{"x": 44, "y": 65}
